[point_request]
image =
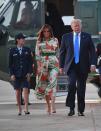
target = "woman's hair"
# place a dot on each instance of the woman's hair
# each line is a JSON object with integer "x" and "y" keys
{"x": 40, "y": 33}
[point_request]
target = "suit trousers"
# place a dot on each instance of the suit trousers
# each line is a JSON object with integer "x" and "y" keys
{"x": 77, "y": 84}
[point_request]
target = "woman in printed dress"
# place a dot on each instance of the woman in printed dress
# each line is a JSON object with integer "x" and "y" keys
{"x": 47, "y": 62}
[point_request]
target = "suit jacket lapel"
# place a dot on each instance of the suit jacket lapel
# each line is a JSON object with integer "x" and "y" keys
{"x": 81, "y": 41}
{"x": 72, "y": 50}
{"x": 71, "y": 43}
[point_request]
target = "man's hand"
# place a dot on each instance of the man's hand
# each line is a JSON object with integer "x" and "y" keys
{"x": 12, "y": 77}
{"x": 93, "y": 68}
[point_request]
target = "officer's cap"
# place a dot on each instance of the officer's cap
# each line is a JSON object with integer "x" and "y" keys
{"x": 19, "y": 36}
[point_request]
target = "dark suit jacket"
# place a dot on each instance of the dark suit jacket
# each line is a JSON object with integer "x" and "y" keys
{"x": 20, "y": 65}
{"x": 87, "y": 52}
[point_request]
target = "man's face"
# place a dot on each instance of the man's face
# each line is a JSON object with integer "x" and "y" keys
{"x": 21, "y": 42}
{"x": 76, "y": 27}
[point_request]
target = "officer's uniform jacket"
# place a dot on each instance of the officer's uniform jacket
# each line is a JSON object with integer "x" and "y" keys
{"x": 20, "y": 64}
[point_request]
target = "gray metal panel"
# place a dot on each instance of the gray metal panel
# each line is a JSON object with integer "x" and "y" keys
{"x": 86, "y": 0}
{"x": 99, "y": 16}
{"x": 88, "y": 12}
{"x": 42, "y": 12}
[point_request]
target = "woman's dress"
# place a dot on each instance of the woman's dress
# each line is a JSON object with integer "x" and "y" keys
{"x": 47, "y": 65}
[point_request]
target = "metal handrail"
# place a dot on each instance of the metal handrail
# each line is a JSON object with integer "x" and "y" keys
{"x": 4, "y": 9}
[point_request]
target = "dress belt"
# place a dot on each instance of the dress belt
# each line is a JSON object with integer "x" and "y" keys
{"x": 48, "y": 54}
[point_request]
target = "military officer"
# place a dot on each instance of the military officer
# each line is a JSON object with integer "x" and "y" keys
{"x": 20, "y": 65}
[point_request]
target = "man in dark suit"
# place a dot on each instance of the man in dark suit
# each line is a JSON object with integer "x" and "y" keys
{"x": 77, "y": 58}
{"x": 20, "y": 65}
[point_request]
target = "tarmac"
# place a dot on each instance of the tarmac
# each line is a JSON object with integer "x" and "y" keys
{"x": 39, "y": 119}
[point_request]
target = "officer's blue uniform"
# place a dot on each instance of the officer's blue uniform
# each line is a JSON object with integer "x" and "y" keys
{"x": 20, "y": 65}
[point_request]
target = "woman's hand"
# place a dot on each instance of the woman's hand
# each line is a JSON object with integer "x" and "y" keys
{"x": 61, "y": 70}
{"x": 28, "y": 76}
{"x": 13, "y": 78}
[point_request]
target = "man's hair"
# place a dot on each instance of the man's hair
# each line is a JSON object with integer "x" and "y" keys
{"x": 76, "y": 21}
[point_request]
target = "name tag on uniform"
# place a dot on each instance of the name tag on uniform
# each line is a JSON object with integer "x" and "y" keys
{"x": 26, "y": 53}
{"x": 14, "y": 54}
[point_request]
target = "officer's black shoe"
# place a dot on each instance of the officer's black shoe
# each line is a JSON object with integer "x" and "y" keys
{"x": 27, "y": 112}
{"x": 81, "y": 114}
{"x": 29, "y": 103}
{"x": 71, "y": 113}
{"x": 19, "y": 114}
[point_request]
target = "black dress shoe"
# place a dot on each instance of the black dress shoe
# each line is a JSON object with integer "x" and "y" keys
{"x": 27, "y": 112}
{"x": 29, "y": 103}
{"x": 81, "y": 114}
{"x": 19, "y": 114}
{"x": 71, "y": 113}
{"x": 54, "y": 112}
